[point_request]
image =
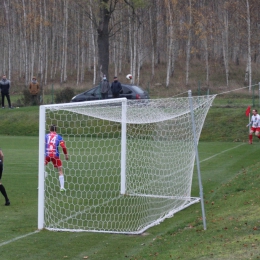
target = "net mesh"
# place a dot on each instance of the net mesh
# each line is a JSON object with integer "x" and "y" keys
{"x": 159, "y": 161}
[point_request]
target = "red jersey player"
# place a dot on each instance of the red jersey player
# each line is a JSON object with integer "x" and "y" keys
{"x": 52, "y": 143}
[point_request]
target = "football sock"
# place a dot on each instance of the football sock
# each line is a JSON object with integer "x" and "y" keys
{"x": 250, "y": 138}
{"x": 3, "y": 191}
{"x": 61, "y": 178}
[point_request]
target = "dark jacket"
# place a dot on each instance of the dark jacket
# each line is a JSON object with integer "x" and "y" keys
{"x": 116, "y": 87}
{"x": 5, "y": 85}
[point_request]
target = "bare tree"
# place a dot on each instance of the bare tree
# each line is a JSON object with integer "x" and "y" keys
{"x": 248, "y": 75}
{"x": 64, "y": 43}
{"x": 93, "y": 41}
{"x": 58, "y": 39}
{"x": 170, "y": 41}
{"x": 7, "y": 6}
{"x": 25, "y": 47}
{"x": 153, "y": 40}
{"x": 188, "y": 48}
{"x": 225, "y": 30}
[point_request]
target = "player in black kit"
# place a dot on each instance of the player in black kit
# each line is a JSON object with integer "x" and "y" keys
{"x": 2, "y": 188}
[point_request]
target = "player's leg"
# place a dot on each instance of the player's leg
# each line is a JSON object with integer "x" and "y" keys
{"x": 251, "y": 135}
{"x": 61, "y": 178}
{"x": 47, "y": 160}
{"x": 2, "y": 188}
{"x": 8, "y": 100}
{"x": 257, "y": 132}
{"x": 3, "y": 99}
{"x": 58, "y": 164}
{"x": 3, "y": 191}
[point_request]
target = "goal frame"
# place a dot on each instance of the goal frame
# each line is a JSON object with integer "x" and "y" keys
{"x": 121, "y": 102}
{"x": 42, "y": 132}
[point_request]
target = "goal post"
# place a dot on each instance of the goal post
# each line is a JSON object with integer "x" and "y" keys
{"x": 41, "y": 168}
{"x": 123, "y": 146}
{"x": 44, "y": 128}
{"x": 197, "y": 158}
{"x": 130, "y": 164}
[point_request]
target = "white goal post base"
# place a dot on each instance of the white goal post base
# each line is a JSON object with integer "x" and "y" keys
{"x": 130, "y": 163}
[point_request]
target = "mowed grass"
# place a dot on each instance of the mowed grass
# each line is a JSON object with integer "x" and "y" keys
{"x": 93, "y": 200}
{"x": 230, "y": 176}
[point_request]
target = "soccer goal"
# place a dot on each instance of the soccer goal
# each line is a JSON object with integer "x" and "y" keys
{"x": 130, "y": 163}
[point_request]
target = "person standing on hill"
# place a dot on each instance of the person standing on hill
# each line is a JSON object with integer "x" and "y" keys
{"x": 255, "y": 126}
{"x": 34, "y": 89}
{"x": 5, "y": 86}
{"x": 2, "y": 188}
{"x": 116, "y": 88}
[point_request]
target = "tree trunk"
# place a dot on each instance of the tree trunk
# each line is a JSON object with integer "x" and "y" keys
{"x": 159, "y": 31}
{"x": 103, "y": 38}
{"x": 225, "y": 44}
{"x": 206, "y": 59}
{"x": 249, "y": 68}
{"x": 170, "y": 44}
{"x": 135, "y": 35}
{"x": 93, "y": 41}
{"x": 53, "y": 37}
{"x": 188, "y": 49}
{"x": 25, "y": 43}
{"x": 152, "y": 33}
{"x": 65, "y": 40}
{"x": 46, "y": 44}
{"x": 41, "y": 54}
{"x": 6, "y": 5}
{"x": 83, "y": 52}
{"x": 130, "y": 43}
{"x": 78, "y": 52}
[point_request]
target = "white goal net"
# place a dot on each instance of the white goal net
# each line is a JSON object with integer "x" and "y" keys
{"x": 130, "y": 163}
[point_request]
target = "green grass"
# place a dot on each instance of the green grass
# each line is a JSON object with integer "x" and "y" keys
{"x": 230, "y": 175}
{"x": 230, "y": 179}
{"x": 22, "y": 121}
{"x": 225, "y": 121}
{"x": 93, "y": 200}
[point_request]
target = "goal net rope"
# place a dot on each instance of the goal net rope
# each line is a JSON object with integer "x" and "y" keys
{"x": 130, "y": 164}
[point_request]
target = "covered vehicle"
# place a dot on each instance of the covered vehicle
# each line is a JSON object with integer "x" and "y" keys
{"x": 128, "y": 91}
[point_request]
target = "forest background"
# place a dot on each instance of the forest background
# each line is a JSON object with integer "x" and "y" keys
{"x": 173, "y": 44}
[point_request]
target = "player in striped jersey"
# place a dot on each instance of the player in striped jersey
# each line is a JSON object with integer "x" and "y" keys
{"x": 52, "y": 154}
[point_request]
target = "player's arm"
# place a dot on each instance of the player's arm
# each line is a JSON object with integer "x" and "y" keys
{"x": 64, "y": 149}
{"x": 250, "y": 123}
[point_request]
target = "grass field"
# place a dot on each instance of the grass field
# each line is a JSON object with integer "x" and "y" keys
{"x": 230, "y": 175}
{"x": 154, "y": 185}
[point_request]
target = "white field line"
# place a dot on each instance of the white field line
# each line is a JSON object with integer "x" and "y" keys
{"x": 220, "y": 153}
{"x": 17, "y": 238}
{"x": 37, "y": 231}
